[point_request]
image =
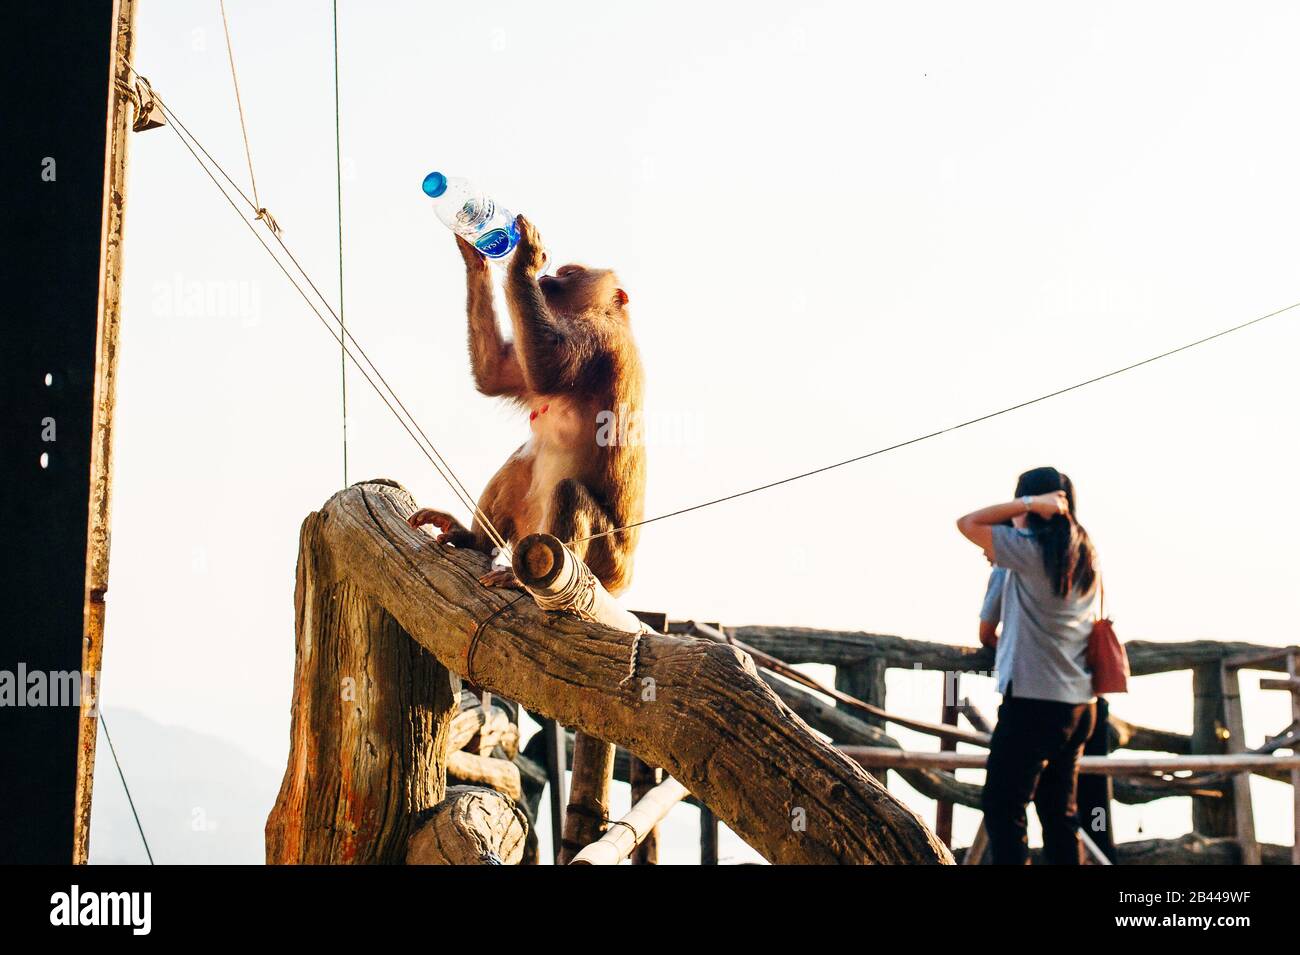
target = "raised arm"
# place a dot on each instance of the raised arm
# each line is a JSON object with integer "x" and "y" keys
{"x": 977, "y": 526}
{"x": 550, "y": 350}
{"x": 492, "y": 359}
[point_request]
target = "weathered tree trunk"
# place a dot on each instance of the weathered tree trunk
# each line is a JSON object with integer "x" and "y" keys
{"x": 472, "y": 826}
{"x": 696, "y": 708}
{"x": 371, "y": 713}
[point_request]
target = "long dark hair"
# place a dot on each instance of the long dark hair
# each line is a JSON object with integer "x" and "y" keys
{"x": 1068, "y": 555}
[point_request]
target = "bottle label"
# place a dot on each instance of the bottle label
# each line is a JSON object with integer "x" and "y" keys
{"x": 495, "y": 244}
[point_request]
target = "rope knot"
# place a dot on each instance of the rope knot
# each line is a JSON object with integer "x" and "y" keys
{"x": 265, "y": 215}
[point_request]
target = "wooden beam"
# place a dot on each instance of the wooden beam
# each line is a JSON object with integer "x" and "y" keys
{"x": 848, "y": 647}
{"x": 711, "y": 722}
{"x": 471, "y": 769}
{"x": 1260, "y": 658}
{"x": 1290, "y": 684}
{"x": 780, "y": 667}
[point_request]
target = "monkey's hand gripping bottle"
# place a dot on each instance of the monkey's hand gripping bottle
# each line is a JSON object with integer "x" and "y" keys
{"x": 473, "y": 215}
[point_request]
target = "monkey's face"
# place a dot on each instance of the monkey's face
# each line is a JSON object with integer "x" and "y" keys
{"x": 577, "y": 290}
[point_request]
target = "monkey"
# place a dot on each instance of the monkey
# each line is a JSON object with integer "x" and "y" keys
{"x": 573, "y": 365}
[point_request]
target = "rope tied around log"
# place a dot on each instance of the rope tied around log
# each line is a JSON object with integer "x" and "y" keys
{"x": 478, "y": 633}
{"x": 633, "y": 656}
{"x": 626, "y": 825}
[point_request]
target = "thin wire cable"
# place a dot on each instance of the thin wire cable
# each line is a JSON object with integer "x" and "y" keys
{"x": 338, "y": 179}
{"x": 748, "y": 491}
{"x": 495, "y": 535}
{"x": 191, "y": 142}
{"x": 948, "y": 430}
{"x": 452, "y": 481}
{"x": 248, "y": 151}
{"x": 122, "y": 776}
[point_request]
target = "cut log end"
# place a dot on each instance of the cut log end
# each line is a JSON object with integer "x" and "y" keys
{"x": 472, "y": 826}
{"x": 538, "y": 560}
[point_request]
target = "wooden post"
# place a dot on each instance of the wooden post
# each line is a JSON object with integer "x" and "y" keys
{"x": 866, "y": 681}
{"x": 1210, "y": 817}
{"x": 101, "y": 453}
{"x": 1243, "y": 805}
{"x": 947, "y": 714}
{"x": 588, "y": 812}
{"x": 557, "y": 763}
{"x": 372, "y": 711}
{"x": 642, "y": 777}
{"x": 978, "y": 847}
{"x": 708, "y": 837}
{"x": 1293, "y": 672}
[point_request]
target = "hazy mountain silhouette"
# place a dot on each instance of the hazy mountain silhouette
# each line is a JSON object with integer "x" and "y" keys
{"x": 201, "y": 799}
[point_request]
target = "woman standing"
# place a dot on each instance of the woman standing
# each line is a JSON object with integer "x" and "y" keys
{"x": 1048, "y": 709}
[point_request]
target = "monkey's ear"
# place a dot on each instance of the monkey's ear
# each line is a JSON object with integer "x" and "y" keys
{"x": 620, "y": 297}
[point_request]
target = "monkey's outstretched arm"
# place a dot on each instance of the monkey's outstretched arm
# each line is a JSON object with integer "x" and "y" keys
{"x": 540, "y": 344}
{"x": 492, "y": 359}
{"x": 549, "y": 353}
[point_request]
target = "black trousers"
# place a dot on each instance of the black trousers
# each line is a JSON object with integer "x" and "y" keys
{"x": 1034, "y": 756}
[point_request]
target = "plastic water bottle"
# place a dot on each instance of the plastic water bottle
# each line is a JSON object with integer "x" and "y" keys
{"x": 473, "y": 215}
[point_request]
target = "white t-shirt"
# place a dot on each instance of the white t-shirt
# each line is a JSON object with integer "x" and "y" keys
{"x": 1044, "y": 643}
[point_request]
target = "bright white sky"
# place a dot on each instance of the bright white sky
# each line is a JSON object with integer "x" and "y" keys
{"x": 840, "y": 225}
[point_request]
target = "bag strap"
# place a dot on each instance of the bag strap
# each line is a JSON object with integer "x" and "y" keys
{"x": 1101, "y": 586}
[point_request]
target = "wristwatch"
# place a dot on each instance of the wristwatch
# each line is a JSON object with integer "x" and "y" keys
{"x": 1027, "y": 500}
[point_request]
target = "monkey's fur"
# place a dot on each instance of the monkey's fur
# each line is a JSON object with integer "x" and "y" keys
{"x": 574, "y": 365}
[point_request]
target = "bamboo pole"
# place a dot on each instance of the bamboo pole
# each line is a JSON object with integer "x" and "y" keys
{"x": 1099, "y": 765}
{"x": 622, "y": 837}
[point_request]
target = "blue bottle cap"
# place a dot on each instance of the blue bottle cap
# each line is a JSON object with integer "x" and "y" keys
{"x": 435, "y": 184}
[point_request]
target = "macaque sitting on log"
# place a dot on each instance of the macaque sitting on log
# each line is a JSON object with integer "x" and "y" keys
{"x": 574, "y": 367}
